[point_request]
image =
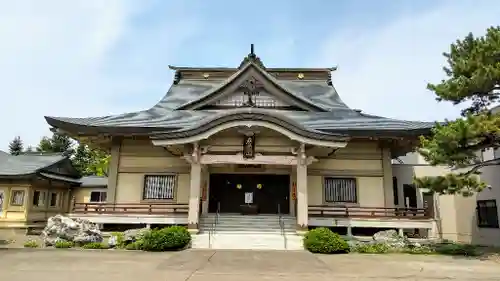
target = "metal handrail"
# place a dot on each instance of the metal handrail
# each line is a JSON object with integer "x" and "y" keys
{"x": 217, "y": 216}
{"x": 282, "y": 226}
{"x": 213, "y": 229}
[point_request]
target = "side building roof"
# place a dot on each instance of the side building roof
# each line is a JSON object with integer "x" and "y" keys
{"x": 49, "y": 166}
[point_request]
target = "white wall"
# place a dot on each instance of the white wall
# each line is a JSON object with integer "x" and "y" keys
{"x": 456, "y": 215}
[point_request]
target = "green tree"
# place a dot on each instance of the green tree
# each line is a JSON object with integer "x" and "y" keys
{"x": 473, "y": 79}
{"x": 16, "y": 146}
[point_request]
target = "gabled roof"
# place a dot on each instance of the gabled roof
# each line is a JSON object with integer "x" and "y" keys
{"x": 40, "y": 165}
{"x": 305, "y": 101}
{"x": 94, "y": 181}
{"x": 11, "y": 165}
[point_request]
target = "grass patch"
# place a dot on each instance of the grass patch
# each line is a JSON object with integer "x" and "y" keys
{"x": 365, "y": 248}
{"x": 137, "y": 245}
{"x": 457, "y": 249}
{"x": 94, "y": 245}
{"x": 64, "y": 244}
{"x": 31, "y": 244}
{"x": 447, "y": 249}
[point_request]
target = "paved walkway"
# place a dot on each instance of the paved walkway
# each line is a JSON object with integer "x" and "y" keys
{"x": 198, "y": 265}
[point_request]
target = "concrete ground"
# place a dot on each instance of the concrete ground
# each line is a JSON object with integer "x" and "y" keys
{"x": 207, "y": 265}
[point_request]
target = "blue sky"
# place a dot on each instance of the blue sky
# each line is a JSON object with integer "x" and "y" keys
{"x": 93, "y": 57}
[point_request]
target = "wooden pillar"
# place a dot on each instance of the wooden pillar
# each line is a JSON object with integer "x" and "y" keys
{"x": 302, "y": 204}
{"x": 116, "y": 144}
{"x": 194, "y": 196}
{"x": 387, "y": 178}
{"x": 194, "y": 190}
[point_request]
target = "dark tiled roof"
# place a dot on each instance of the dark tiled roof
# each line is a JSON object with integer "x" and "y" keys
{"x": 334, "y": 115}
{"x": 94, "y": 181}
{"x": 20, "y": 165}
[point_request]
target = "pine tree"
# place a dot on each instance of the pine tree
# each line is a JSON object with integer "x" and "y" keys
{"x": 61, "y": 143}
{"x": 45, "y": 145}
{"x": 16, "y": 146}
{"x": 473, "y": 73}
{"x": 56, "y": 144}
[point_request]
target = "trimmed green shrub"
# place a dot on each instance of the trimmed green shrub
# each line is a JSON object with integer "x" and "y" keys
{"x": 94, "y": 245}
{"x": 422, "y": 250}
{"x": 323, "y": 240}
{"x": 31, "y": 244}
{"x": 166, "y": 239}
{"x": 377, "y": 248}
{"x": 63, "y": 244}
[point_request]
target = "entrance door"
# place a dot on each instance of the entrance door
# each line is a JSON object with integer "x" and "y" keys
{"x": 410, "y": 194}
{"x": 267, "y": 192}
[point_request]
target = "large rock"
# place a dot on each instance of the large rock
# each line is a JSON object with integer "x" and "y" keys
{"x": 133, "y": 235}
{"x": 390, "y": 238}
{"x": 67, "y": 229}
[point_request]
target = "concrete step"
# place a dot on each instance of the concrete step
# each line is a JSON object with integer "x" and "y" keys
{"x": 252, "y": 241}
{"x": 231, "y": 220}
{"x": 246, "y": 224}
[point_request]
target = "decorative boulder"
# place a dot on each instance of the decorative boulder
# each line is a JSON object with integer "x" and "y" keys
{"x": 391, "y": 238}
{"x": 64, "y": 228}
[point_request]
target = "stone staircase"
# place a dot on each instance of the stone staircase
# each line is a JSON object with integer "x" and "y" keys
{"x": 247, "y": 232}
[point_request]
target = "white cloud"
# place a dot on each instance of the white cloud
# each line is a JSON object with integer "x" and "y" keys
{"x": 385, "y": 71}
{"x": 53, "y": 61}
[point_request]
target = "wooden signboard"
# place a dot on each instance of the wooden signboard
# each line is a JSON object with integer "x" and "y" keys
{"x": 249, "y": 147}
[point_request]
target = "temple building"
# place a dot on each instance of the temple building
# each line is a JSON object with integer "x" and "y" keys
{"x": 225, "y": 146}
{"x": 35, "y": 186}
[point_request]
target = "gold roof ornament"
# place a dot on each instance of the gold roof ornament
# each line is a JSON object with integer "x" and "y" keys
{"x": 300, "y": 76}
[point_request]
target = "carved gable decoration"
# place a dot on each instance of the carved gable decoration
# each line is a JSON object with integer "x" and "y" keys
{"x": 241, "y": 99}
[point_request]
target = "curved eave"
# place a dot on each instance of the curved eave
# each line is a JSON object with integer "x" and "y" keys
{"x": 25, "y": 176}
{"x": 83, "y": 129}
{"x": 60, "y": 178}
{"x": 283, "y": 122}
{"x": 384, "y": 133}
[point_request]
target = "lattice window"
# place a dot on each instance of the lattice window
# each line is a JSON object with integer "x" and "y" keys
{"x": 39, "y": 198}
{"x": 159, "y": 187}
{"x": 340, "y": 190}
{"x": 17, "y": 198}
{"x": 261, "y": 99}
{"x": 54, "y": 199}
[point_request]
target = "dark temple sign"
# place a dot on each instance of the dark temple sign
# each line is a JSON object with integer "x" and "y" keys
{"x": 249, "y": 147}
